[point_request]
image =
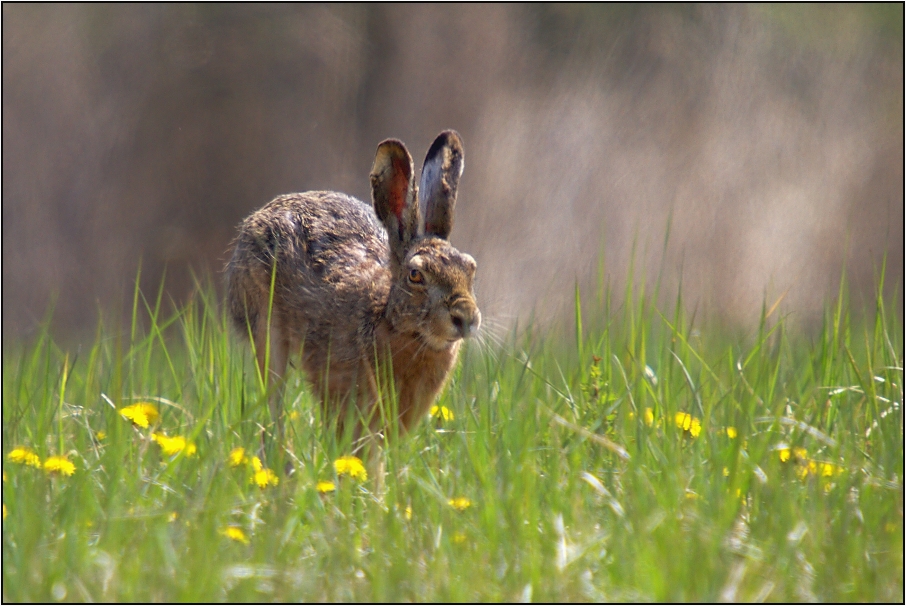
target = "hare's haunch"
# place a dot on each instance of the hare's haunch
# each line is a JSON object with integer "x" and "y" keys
{"x": 360, "y": 293}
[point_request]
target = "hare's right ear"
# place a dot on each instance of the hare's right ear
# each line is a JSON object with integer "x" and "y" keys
{"x": 440, "y": 180}
{"x": 393, "y": 195}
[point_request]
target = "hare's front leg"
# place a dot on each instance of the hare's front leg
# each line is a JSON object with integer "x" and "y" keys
{"x": 272, "y": 351}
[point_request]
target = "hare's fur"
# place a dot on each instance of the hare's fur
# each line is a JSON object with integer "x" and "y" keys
{"x": 362, "y": 294}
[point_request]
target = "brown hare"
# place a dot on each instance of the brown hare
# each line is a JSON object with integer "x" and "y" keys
{"x": 362, "y": 294}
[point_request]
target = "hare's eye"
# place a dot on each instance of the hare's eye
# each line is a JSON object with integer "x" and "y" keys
{"x": 416, "y": 276}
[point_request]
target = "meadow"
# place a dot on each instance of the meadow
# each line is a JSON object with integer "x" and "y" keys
{"x": 633, "y": 456}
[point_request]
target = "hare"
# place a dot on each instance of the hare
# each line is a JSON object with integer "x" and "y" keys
{"x": 362, "y": 294}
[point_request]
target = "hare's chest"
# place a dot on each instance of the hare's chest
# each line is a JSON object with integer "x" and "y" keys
{"x": 419, "y": 379}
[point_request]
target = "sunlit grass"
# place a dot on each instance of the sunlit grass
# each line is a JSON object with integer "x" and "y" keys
{"x": 639, "y": 458}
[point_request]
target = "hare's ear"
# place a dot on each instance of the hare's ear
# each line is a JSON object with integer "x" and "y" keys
{"x": 440, "y": 178}
{"x": 393, "y": 194}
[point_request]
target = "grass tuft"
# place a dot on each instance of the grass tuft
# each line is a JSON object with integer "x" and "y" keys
{"x": 633, "y": 457}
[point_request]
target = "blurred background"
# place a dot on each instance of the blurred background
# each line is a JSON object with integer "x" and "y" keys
{"x": 767, "y": 139}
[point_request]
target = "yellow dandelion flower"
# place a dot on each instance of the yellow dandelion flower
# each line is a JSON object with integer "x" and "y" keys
{"x": 174, "y": 445}
{"x": 101, "y": 435}
{"x": 795, "y": 454}
{"x": 408, "y": 512}
{"x": 696, "y": 428}
{"x": 265, "y": 477}
{"x": 24, "y": 456}
{"x": 731, "y": 433}
{"x": 649, "y": 417}
{"x": 235, "y": 533}
{"x": 350, "y": 466}
{"x": 237, "y": 457}
{"x": 143, "y": 414}
{"x": 460, "y": 503}
{"x": 688, "y": 423}
{"x": 458, "y": 537}
{"x": 726, "y": 472}
{"x": 442, "y": 412}
{"x": 59, "y": 465}
{"x": 806, "y": 469}
{"x": 324, "y": 486}
{"x": 256, "y": 464}
{"x": 294, "y": 415}
{"x": 829, "y": 470}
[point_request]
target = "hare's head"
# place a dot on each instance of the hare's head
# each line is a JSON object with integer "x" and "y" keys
{"x": 432, "y": 292}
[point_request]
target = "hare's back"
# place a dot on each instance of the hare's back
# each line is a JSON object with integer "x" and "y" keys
{"x": 331, "y": 256}
{"x": 319, "y": 236}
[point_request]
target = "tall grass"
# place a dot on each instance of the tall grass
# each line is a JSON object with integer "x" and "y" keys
{"x": 636, "y": 456}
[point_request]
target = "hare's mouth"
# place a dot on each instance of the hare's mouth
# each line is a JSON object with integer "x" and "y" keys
{"x": 440, "y": 340}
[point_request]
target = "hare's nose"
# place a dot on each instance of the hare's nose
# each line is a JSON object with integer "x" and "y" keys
{"x": 466, "y": 319}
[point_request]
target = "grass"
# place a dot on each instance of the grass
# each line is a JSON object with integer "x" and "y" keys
{"x": 636, "y": 457}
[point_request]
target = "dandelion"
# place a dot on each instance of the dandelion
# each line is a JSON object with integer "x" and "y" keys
{"x": 442, "y": 412}
{"x": 324, "y": 486}
{"x": 257, "y": 465}
{"x": 649, "y": 417}
{"x": 797, "y": 454}
{"x": 350, "y": 466}
{"x": 235, "y": 533}
{"x": 101, "y": 435}
{"x": 688, "y": 423}
{"x": 731, "y": 433}
{"x": 24, "y": 456}
{"x": 142, "y": 414}
{"x": 237, "y": 457}
{"x": 806, "y": 469}
{"x": 829, "y": 470}
{"x": 460, "y": 503}
{"x": 174, "y": 445}
{"x": 408, "y": 512}
{"x": 458, "y": 537}
{"x": 265, "y": 477}
{"x": 59, "y": 465}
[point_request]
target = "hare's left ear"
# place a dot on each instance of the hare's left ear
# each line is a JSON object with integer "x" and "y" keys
{"x": 440, "y": 179}
{"x": 393, "y": 195}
